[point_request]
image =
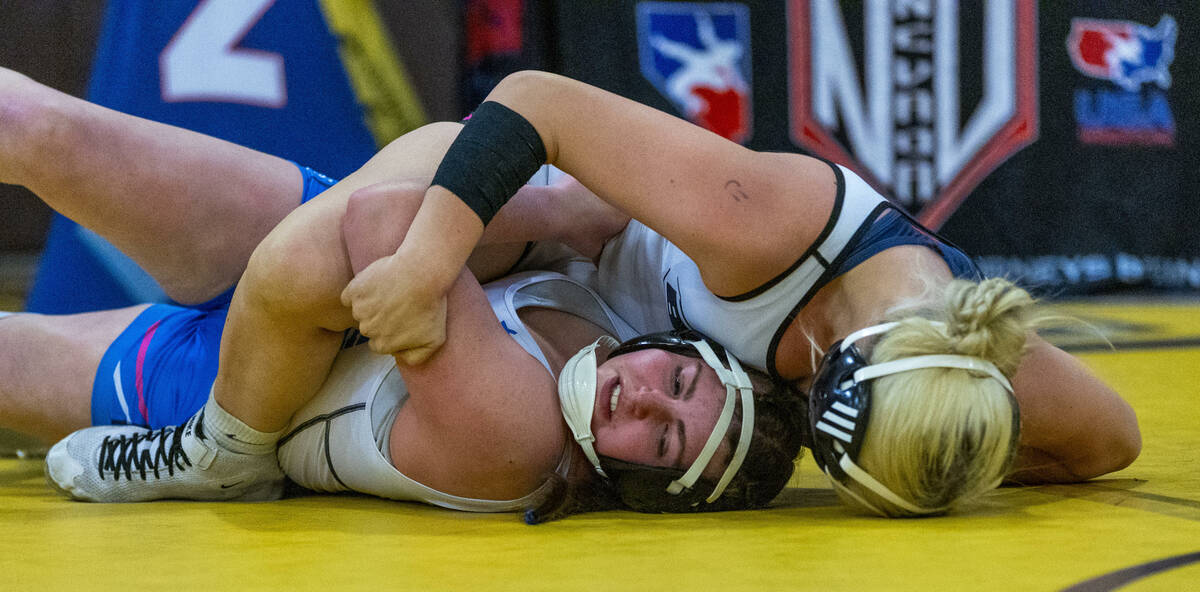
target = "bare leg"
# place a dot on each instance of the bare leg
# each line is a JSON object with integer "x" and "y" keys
{"x": 48, "y": 366}
{"x": 280, "y": 339}
{"x": 286, "y": 319}
{"x": 187, "y": 207}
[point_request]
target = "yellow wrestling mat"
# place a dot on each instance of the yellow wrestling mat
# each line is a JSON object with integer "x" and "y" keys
{"x": 1136, "y": 530}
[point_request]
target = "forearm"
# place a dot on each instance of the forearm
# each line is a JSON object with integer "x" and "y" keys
{"x": 1036, "y": 467}
{"x": 1110, "y": 446}
{"x": 534, "y": 118}
{"x": 488, "y": 162}
{"x": 740, "y": 215}
{"x": 1073, "y": 426}
{"x": 585, "y": 131}
{"x": 666, "y": 172}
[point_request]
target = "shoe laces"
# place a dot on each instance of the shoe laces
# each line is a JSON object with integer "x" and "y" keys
{"x": 149, "y": 452}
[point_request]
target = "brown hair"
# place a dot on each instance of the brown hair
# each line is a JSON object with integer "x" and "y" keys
{"x": 779, "y": 412}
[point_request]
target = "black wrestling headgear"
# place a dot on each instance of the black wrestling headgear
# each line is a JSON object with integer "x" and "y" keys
{"x": 839, "y": 407}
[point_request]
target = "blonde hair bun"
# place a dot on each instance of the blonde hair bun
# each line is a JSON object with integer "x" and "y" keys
{"x": 941, "y": 437}
{"x": 989, "y": 320}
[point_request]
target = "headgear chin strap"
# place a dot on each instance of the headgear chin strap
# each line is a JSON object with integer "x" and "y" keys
{"x": 840, "y": 407}
{"x": 577, "y": 395}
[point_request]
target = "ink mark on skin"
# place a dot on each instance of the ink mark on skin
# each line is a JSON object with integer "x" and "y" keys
{"x": 735, "y": 191}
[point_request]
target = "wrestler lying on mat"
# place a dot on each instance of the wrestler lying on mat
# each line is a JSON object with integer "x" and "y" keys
{"x": 677, "y": 425}
{"x": 1095, "y": 451}
{"x": 932, "y": 375}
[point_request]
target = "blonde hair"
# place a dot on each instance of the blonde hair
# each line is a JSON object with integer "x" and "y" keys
{"x": 941, "y": 437}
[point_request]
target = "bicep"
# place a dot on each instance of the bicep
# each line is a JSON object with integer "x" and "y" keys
{"x": 724, "y": 205}
{"x": 1073, "y": 426}
{"x": 480, "y": 406}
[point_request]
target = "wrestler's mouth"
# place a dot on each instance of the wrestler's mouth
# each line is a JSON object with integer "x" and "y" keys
{"x": 610, "y": 391}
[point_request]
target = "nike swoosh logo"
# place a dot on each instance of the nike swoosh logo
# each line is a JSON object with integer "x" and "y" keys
{"x": 224, "y": 486}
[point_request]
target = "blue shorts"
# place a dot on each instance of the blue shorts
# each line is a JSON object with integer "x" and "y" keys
{"x": 159, "y": 370}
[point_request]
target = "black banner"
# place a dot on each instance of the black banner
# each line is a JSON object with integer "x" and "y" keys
{"x": 1053, "y": 140}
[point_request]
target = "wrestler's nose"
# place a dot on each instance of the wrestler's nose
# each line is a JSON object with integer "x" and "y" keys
{"x": 647, "y": 403}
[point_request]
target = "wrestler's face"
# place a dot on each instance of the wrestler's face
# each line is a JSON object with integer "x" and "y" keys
{"x": 666, "y": 407}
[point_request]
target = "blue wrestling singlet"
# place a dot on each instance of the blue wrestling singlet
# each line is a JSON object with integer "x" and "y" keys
{"x": 159, "y": 371}
{"x": 894, "y": 228}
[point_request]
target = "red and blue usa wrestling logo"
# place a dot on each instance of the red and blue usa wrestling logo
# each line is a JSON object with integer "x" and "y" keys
{"x": 1136, "y": 60}
{"x": 698, "y": 56}
{"x": 892, "y": 103}
{"x": 1123, "y": 52}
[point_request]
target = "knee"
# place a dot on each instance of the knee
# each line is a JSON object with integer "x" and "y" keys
{"x": 377, "y": 220}
{"x": 295, "y": 271}
{"x": 16, "y": 100}
{"x": 31, "y": 109}
{"x": 26, "y": 116}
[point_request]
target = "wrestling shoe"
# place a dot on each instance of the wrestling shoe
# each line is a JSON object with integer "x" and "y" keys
{"x": 135, "y": 464}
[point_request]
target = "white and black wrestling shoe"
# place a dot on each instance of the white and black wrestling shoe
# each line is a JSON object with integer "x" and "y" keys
{"x": 136, "y": 464}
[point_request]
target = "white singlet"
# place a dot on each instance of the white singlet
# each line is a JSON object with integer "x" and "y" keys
{"x": 655, "y": 286}
{"x": 337, "y": 442}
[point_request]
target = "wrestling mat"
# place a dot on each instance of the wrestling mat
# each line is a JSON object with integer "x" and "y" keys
{"x": 1136, "y": 530}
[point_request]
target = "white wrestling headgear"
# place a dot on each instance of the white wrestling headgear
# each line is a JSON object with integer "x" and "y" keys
{"x": 577, "y": 395}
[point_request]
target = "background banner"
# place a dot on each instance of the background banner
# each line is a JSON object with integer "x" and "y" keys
{"x": 1053, "y": 140}
{"x": 268, "y": 74}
